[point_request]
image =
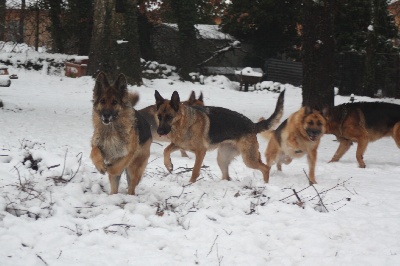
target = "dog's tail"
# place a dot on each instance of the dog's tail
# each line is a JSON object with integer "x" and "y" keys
{"x": 264, "y": 125}
{"x": 133, "y": 98}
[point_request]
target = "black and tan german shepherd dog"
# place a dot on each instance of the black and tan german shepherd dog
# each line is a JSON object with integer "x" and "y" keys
{"x": 121, "y": 139}
{"x": 150, "y": 114}
{"x": 295, "y": 137}
{"x": 202, "y": 128}
{"x": 362, "y": 122}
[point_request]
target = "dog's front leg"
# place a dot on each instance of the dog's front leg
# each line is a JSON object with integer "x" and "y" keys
{"x": 115, "y": 170}
{"x": 312, "y": 158}
{"x": 114, "y": 183}
{"x": 344, "y": 146}
{"x": 98, "y": 160}
{"x": 197, "y": 165}
{"x": 167, "y": 156}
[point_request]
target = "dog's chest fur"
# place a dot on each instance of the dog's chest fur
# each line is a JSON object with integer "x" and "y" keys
{"x": 294, "y": 143}
{"x": 113, "y": 141}
{"x": 190, "y": 131}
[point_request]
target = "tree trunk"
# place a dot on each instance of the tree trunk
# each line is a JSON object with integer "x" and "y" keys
{"x": 57, "y": 31}
{"x": 370, "y": 59}
{"x": 185, "y": 13}
{"x": 114, "y": 46}
{"x": 318, "y": 54}
{"x": 2, "y": 20}
{"x": 81, "y": 24}
{"x": 21, "y": 22}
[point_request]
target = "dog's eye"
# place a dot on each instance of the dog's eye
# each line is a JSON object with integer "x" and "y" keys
{"x": 159, "y": 117}
{"x": 102, "y": 101}
{"x": 311, "y": 123}
{"x": 114, "y": 102}
{"x": 168, "y": 117}
{"x": 319, "y": 123}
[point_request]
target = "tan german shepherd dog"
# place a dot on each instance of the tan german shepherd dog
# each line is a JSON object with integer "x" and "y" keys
{"x": 362, "y": 122}
{"x": 298, "y": 135}
{"x": 202, "y": 128}
{"x": 121, "y": 138}
{"x": 150, "y": 114}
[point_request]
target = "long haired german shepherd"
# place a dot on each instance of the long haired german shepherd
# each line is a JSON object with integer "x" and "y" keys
{"x": 202, "y": 128}
{"x": 298, "y": 135}
{"x": 122, "y": 138}
{"x": 150, "y": 114}
{"x": 362, "y": 122}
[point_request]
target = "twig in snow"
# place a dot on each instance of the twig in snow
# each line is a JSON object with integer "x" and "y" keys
{"x": 65, "y": 159}
{"x": 189, "y": 169}
{"x": 319, "y": 196}
{"x": 300, "y": 203}
{"x": 45, "y": 263}
{"x": 79, "y": 165}
{"x": 197, "y": 180}
{"x": 212, "y": 245}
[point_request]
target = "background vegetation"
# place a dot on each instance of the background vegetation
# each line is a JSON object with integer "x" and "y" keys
{"x": 338, "y": 41}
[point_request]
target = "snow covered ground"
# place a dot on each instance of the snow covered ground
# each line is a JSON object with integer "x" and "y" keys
{"x": 61, "y": 213}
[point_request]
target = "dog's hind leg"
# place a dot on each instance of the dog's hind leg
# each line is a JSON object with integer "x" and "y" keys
{"x": 226, "y": 153}
{"x": 272, "y": 155}
{"x": 344, "y": 146}
{"x": 200, "y": 154}
{"x": 361, "y": 147}
{"x": 128, "y": 177}
{"x": 248, "y": 148}
{"x": 396, "y": 134}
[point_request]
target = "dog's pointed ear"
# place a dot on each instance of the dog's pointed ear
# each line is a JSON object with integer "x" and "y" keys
{"x": 100, "y": 84}
{"x": 121, "y": 84}
{"x": 325, "y": 111}
{"x": 159, "y": 99}
{"x": 201, "y": 97}
{"x": 175, "y": 101}
{"x": 192, "y": 98}
{"x": 308, "y": 110}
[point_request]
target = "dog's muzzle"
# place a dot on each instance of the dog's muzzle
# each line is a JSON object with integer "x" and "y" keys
{"x": 163, "y": 131}
{"x": 107, "y": 117}
{"x": 313, "y": 134}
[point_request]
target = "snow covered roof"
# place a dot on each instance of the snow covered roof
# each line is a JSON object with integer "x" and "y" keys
{"x": 207, "y": 31}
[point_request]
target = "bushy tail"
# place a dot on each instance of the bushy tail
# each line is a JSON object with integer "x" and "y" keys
{"x": 264, "y": 125}
{"x": 133, "y": 98}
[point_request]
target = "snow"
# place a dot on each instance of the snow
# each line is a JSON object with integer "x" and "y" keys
{"x": 207, "y": 31}
{"x": 370, "y": 28}
{"x": 248, "y": 71}
{"x": 61, "y": 213}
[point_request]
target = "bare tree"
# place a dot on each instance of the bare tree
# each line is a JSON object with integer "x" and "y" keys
{"x": 115, "y": 45}
{"x": 57, "y": 30}
{"x": 318, "y": 56}
{"x": 186, "y": 16}
{"x": 2, "y": 19}
{"x": 21, "y": 22}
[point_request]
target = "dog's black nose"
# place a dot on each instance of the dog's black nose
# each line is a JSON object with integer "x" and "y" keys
{"x": 313, "y": 133}
{"x": 162, "y": 131}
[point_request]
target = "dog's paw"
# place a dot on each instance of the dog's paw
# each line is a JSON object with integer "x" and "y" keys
{"x": 101, "y": 167}
{"x": 169, "y": 166}
{"x": 102, "y": 170}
